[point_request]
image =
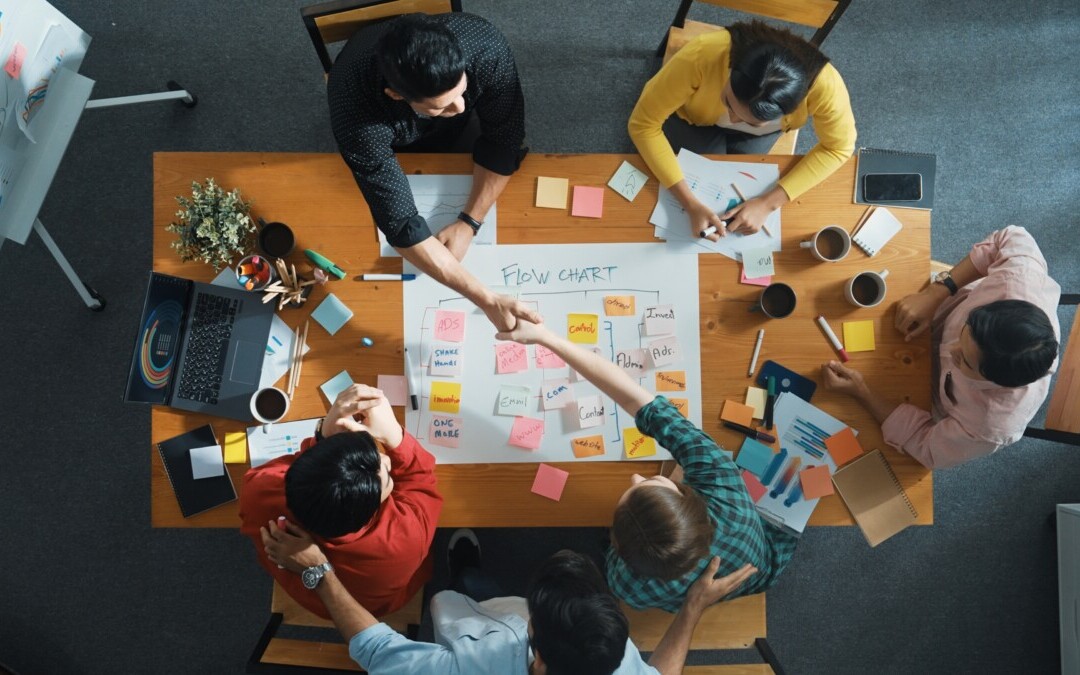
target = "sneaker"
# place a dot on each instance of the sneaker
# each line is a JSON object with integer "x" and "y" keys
{"x": 462, "y": 551}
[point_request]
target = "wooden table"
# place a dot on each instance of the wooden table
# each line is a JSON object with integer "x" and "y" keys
{"x": 316, "y": 195}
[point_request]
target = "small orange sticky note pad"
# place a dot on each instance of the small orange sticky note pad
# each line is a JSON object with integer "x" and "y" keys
{"x": 816, "y": 482}
{"x": 682, "y": 405}
{"x": 637, "y": 444}
{"x": 445, "y": 397}
{"x": 843, "y": 446}
{"x": 549, "y": 482}
{"x": 587, "y": 446}
{"x": 583, "y": 328}
{"x": 671, "y": 380}
{"x": 738, "y": 413}
{"x": 619, "y": 305}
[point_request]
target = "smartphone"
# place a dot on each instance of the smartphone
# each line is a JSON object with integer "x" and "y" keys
{"x": 892, "y": 187}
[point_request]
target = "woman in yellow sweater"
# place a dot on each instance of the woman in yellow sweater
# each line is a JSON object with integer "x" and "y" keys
{"x": 733, "y": 92}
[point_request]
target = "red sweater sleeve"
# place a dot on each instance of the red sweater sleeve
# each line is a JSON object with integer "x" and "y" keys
{"x": 416, "y": 494}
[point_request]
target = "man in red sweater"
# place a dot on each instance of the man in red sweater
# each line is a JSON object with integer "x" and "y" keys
{"x": 374, "y": 515}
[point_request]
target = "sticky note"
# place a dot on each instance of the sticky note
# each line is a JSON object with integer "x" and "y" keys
{"x": 665, "y": 351}
{"x": 587, "y": 446}
{"x": 545, "y": 358}
{"x": 590, "y": 411}
{"x": 449, "y": 325}
{"x": 445, "y": 397}
{"x": 335, "y": 385}
{"x": 583, "y": 328}
{"x": 754, "y": 456}
{"x": 394, "y": 387}
{"x": 235, "y": 447}
{"x": 843, "y": 446}
{"x": 551, "y": 192}
{"x": 682, "y": 405}
{"x": 760, "y": 281}
{"x": 755, "y": 398}
{"x": 206, "y": 462}
{"x": 549, "y": 482}
{"x": 816, "y": 482}
{"x": 659, "y": 320}
{"x": 758, "y": 263}
{"x": 637, "y": 444}
{"x": 556, "y": 394}
{"x": 332, "y": 314}
{"x": 575, "y": 376}
{"x": 753, "y": 486}
{"x": 527, "y": 433}
{"x": 671, "y": 380}
{"x": 513, "y": 400}
{"x": 859, "y": 336}
{"x": 632, "y": 361}
{"x": 738, "y": 413}
{"x": 619, "y": 305}
{"x": 628, "y": 181}
{"x": 588, "y": 201}
{"x": 15, "y": 62}
{"x": 445, "y": 431}
{"x": 446, "y": 360}
{"x": 510, "y": 357}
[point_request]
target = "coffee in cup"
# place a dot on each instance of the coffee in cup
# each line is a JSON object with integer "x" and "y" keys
{"x": 269, "y": 405}
{"x": 776, "y": 301}
{"x": 276, "y": 239}
{"x": 866, "y": 289}
{"x": 829, "y": 244}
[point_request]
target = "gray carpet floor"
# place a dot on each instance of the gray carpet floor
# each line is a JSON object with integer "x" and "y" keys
{"x": 86, "y": 586}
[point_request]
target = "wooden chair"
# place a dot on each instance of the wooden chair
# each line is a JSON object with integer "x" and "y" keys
{"x": 1063, "y": 416}
{"x": 337, "y": 21}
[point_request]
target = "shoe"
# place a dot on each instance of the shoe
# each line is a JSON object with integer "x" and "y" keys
{"x": 462, "y": 551}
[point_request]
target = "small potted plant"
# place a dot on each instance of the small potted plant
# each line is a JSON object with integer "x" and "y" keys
{"x": 213, "y": 225}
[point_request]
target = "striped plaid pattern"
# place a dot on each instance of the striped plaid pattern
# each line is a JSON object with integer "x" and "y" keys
{"x": 742, "y": 536}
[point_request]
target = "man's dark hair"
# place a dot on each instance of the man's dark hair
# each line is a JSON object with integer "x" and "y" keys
{"x": 333, "y": 488}
{"x": 771, "y": 68}
{"x": 661, "y": 533}
{"x": 419, "y": 57}
{"x": 1016, "y": 339}
{"x": 578, "y": 627}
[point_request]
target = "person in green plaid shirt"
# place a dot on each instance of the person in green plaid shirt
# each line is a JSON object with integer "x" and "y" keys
{"x": 665, "y": 533}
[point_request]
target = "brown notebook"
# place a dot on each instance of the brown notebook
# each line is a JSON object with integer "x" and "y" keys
{"x": 873, "y": 495}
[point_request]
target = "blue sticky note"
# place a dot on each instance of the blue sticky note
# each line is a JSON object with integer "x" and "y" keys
{"x": 754, "y": 457}
{"x": 335, "y": 385}
{"x": 332, "y": 314}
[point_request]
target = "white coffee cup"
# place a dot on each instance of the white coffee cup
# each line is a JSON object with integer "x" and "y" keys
{"x": 831, "y": 240}
{"x": 866, "y": 289}
{"x": 269, "y": 405}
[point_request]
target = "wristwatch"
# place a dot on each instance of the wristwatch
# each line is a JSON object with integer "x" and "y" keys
{"x": 470, "y": 221}
{"x": 311, "y": 576}
{"x": 946, "y": 280}
{"x": 318, "y": 431}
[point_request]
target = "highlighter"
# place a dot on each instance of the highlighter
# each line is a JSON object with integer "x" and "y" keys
{"x": 770, "y": 402}
{"x": 324, "y": 263}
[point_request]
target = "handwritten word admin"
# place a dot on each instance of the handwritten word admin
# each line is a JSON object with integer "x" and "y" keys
{"x": 514, "y": 275}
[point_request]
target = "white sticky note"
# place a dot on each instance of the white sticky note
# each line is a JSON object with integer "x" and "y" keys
{"x": 631, "y": 360}
{"x": 758, "y": 263}
{"x": 556, "y": 394}
{"x": 628, "y": 181}
{"x": 446, "y": 359}
{"x": 513, "y": 400}
{"x": 664, "y": 351}
{"x": 590, "y": 412}
{"x": 659, "y": 320}
{"x": 206, "y": 462}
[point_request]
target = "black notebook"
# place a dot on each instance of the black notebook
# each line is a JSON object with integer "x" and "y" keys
{"x": 194, "y": 496}
{"x": 872, "y": 160}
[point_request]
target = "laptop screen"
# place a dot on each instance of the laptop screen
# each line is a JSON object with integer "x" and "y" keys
{"x": 158, "y": 342}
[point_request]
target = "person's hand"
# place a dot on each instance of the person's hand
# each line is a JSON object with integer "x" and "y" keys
{"x": 526, "y": 332}
{"x": 701, "y": 218}
{"x": 504, "y": 311}
{"x": 708, "y": 590}
{"x": 456, "y": 237}
{"x": 291, "y": 548}
{"x": 915, "y": 312}
{"x": 363, "y": 408}
{"x": 842, "y": 379}
{"x": 747, "y": 217}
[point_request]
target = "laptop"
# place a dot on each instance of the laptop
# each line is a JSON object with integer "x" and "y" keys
{"x": 199, "y": 347}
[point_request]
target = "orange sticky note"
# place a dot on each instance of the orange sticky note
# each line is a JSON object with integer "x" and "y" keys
{"x": 816, "y": 482}
{"x": 549, "y": 482}
{"x": 619, "y": 305}
{"x": 445, "y": 397}
{"x": 587, "y": 446}
{"x": 671, "y": 380}
{"x": 753, "y": 486}
{"x": 682, "y": 405}
{"x": 588, "y": 201}
{"x": 583, "y": 328}
{"x": 637, "y": 444}
{"x": 843, "y": 446}
{"x": 738, "y": 413}
{"x": 551, "y": 192}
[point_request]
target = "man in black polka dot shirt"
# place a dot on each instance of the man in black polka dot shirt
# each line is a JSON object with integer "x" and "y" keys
{"x": 441, "y": 83}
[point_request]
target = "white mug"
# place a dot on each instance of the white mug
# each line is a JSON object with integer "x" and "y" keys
{"x": 833, "y": 232}
{"x": 274, "y": 404}
{"x": 871, "y": 288}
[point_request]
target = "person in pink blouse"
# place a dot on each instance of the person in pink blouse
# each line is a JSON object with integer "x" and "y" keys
{"x": 994, "y": 329}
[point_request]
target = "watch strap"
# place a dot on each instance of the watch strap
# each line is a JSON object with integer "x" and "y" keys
{"x": 946, "y": 280}
{"x": 318, "y": 431}
{"x": 470, "y": 221}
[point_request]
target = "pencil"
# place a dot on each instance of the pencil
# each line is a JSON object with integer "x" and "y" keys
{"x": 742, "y": 197}
{"x": 862, "y": 219}
{"x": 300, "y": 356}
{"x": 292, "y": 361}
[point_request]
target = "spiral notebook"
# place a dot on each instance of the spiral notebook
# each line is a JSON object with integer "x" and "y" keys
{"x": 877, "y": 228}
{"x": 873, "y": 160}
{"x": 873, "y": 495}
{"x": 194, "y": 495}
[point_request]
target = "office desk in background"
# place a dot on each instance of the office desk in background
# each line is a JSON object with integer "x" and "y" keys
{"x": 315, "y": 194}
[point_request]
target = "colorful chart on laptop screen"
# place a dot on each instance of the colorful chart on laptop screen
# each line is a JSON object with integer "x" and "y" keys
{"x": 159, "y": 344}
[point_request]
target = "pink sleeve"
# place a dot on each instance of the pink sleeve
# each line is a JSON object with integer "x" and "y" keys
{"x": 936, "y": 445}
{"x": 1010, "y": 248}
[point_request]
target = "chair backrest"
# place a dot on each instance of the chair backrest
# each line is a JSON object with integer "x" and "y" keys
{"x": 820, "y": 14}
{"x": 336, "y": 21}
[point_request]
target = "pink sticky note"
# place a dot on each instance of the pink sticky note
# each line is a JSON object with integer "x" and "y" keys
{"x": 15, "y": 62}
{"x": 449, "y": 325}
{"x": 510, "y": 357}
{"x": 760, "y": 281}
{"x": 527, "y": 433}
{"x": 588, "y": 201}
{"x": 394, "y": 387}
{"x": 549, "y": 482}
{"x": 753, "y": 486}
{"x": 545, "y": 358}
{"x": 445, "y": 431}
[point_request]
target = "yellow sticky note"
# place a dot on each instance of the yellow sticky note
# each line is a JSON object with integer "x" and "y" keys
{"x": 587, "y": 446}
{"x": 583, "y": 328}
{"x": 619, "y": 305}
{"x": 637, "y": 444}
{"x": 445, "y": 397}
{"x": 671, "y": 380}
{"x": 551, "y": 192}
{"x": 235, "y": 447}
{"x": 682, "y": 405}
{"x": 859, "y": 336}
{"x": 755, "y": 398}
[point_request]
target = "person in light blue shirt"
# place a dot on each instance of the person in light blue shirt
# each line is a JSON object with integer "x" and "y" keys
{"x": 570, "y": 624}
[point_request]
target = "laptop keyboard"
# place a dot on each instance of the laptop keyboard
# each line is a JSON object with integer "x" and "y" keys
{"x": 208, "y": 344}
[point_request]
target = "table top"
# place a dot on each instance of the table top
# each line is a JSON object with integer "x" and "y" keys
{"x": 316, "y": 195}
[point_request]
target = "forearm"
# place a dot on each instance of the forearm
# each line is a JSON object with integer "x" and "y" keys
{"x": 486, "y": 188}
{"x": 349, "y": 616}
{"x": 608, "y": 377}
{"x": 670, "y": 654}
{"x": 965, "y": 272}
{"x": 433, "y": 259}
{"x": 682, "y": 192}
{"x": 876, "y": 404}
{"x": 775, "y": 198}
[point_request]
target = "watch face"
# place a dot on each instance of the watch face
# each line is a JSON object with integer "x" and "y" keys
{"x": 310, "y": 577}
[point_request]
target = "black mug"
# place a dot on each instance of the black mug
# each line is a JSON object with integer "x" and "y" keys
{"x": 776, "y": 301}
{"x": 276, "y": 239}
